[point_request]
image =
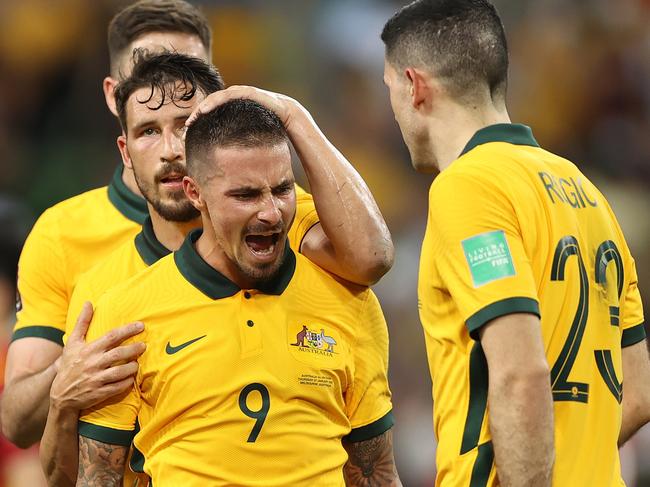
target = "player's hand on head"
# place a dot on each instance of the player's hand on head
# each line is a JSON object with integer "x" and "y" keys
{"x": 89, "y": 373}
{"x": 281, "y": 105}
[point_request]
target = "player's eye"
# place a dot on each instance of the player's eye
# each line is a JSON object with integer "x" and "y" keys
{"x": 283, "y": 189}
{"x": 149, "y": 131}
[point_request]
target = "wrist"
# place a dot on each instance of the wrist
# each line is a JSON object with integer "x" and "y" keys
{"x": 58, "y": 402}
{"x": 297, "y": 118}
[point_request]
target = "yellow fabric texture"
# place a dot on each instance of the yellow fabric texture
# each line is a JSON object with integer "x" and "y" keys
{"x": 67, "y": 240}
{"x": 318, "y": 351}
{"x": 509, "y": 229}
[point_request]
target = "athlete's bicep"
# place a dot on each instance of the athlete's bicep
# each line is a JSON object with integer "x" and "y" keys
{"x": 513, "y": 345}
{"x": 636, "y": 393}
{"x": 371, "y": 462}
{"x": 100, "y": 464}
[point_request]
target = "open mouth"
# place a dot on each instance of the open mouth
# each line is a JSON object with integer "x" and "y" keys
{"x": 173, "y": 179}
{"x": 262, "y": 244}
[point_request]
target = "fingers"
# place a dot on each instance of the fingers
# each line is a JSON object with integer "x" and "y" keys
{"x": 107, "y": 391}
{"x": 118, "y": 335}
{"x": 126, "y": 353}
{"x": 83, "y": 322}
{"x": 118, "y": 373}
{"x": 217, "y": 98}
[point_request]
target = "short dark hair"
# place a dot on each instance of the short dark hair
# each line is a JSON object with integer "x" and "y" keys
{"x": 236, "y": 123}
{"x": 148, "y": 16}
{"x": 463, "y": 40}
{"x": 184, "y": 74}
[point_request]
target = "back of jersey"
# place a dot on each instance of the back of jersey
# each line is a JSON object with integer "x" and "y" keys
{"x": 513, "y": 228}
{"x": 589, "y": 304}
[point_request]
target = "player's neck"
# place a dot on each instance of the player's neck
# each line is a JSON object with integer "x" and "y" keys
{"x": 211, "y": 252}
{"x": 454, "y": 126}
{"x": 129, "y": 181}
{"x": 171, "y": 234}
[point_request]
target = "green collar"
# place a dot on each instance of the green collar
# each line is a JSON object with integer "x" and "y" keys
{"x": 215, "y": 285}
{"x": 129, "y": 204}
{"x": 148, "y": 245}
{"x": 512, "y": 133}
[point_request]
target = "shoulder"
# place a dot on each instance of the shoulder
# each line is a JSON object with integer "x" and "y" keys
{"x": 144, "y": 287}
{"x": 121, "y": 264}
{"x": 69, "y": 213}
{"x": 317, "y": 284}
{"x": 96, "y": 198}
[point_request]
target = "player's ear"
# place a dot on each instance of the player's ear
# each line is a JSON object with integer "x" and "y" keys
{"x": 108, "y": 86}
{"x": 124, "y": 151}
{"x": 193, "y": 193}
{"x": 419, "y": 86}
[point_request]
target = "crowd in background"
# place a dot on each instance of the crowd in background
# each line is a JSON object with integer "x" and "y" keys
{"x": 579, "y": 76}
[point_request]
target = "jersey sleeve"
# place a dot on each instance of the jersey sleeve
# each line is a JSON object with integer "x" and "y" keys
{"x": 42, "y": 302}
{"x": 368, "y": 400}
{"x": 478, "y": 250}
{"x": 113, "y": 421}
{"x": 306, "y": 217}
{"x": 632, "y": 325}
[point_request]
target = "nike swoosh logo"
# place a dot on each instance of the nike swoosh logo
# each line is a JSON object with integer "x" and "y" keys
{"x": 172, "y": 350}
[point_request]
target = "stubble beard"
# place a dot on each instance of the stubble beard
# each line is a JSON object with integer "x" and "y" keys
{"x": 177, "y": 209}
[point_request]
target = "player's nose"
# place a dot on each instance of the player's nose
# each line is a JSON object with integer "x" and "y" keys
{"x": 172, "y": 147}
{"x": 269, "y": 211}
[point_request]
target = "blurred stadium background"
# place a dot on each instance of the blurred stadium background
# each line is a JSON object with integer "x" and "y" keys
{"x": 580, "y": 76}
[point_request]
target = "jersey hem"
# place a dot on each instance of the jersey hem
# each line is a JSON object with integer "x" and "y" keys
{"x": 500, "y": 308}
{"x": 633, "y": 335}
{"x": 47, "y": 332}
{"x": 371, "y": 430}
{"x": 104, "y": 434}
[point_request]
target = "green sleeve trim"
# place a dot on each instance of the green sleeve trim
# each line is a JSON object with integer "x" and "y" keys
{"x": 48, "y": 332}
{"x": 110, "y": 436}
{"x": 371, "y": 430}
{"x": 500, "y": 308}
{"x": 634, "y": 335}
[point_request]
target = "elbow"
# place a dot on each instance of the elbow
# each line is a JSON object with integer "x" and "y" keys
{"x": 13, "y": 429}
{"x": 374, "y": 264}
{"x": 14, "y": 435}
{"x": 636, "y": 407}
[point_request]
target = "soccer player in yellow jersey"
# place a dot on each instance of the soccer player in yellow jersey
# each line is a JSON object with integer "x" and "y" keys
{"x": 72, "y": 236}
{"x": 527, "y": 290}
{"x": 350, "y": 240}
{"x": 156, "y": 154}
{"x": 260, "y": 368}
{"x": 152, "y": 147}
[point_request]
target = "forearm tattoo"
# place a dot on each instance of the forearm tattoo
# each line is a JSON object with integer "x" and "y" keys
{"x": 371, "y": 462}
{"x": 100, "y": 464}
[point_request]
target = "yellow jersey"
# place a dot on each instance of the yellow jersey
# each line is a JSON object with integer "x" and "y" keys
{"x": 123, "y": 263}
{"x": 245, "y": 387}
{"x": 513, "y": 228}
{"x": 67, "y": 240}
{"x": 74, "y": 235}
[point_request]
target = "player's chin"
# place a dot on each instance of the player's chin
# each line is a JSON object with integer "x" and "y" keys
{"x": 424, "y": 166}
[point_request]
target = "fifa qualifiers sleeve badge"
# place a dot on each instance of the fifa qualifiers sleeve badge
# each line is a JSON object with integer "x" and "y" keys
{"x": 488, "y": 257}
